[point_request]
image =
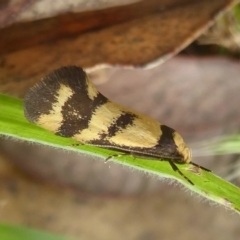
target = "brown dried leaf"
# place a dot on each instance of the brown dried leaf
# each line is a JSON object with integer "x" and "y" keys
{"x": 12, "y": 11}
{"x": 144, "y": 35}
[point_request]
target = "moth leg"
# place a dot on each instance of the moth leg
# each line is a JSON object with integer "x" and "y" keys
{"x": 76, "y": 144}
{"x": 203, "y": 168}
{"x": 117, "y": 155}
{"x": 176, "y": 169}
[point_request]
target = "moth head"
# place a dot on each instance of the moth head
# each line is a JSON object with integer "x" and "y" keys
{"x": 183, "y": 150}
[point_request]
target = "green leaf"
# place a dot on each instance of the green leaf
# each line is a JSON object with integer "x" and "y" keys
{"x": 206, "y": 184}
{"x": 9, "y": 232}
{"x": 226, "y": 145}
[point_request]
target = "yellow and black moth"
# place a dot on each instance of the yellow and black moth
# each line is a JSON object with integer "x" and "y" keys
{"x": 68, "y": 104}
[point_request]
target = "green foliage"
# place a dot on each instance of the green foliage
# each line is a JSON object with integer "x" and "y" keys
{"x": 206, "y": 184}
{"x": 10, "y": 232}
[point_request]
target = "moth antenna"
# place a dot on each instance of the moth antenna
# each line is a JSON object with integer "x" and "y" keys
{"x": 199, "y": 166}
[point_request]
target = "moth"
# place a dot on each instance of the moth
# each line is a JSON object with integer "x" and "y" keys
{"x": 66, "y": 103}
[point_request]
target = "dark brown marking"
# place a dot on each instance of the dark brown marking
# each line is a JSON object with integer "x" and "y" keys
{"x": 167, "y": 136}
{"x": 166, "y": 146}
{"x": 39, "y": 100}
{"x": 121, "y": 123}
{"x": 77, "y": 113}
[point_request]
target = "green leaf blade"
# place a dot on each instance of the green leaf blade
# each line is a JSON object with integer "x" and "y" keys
{"x": 206, "y": 184}
{"x": 10, "y": 232}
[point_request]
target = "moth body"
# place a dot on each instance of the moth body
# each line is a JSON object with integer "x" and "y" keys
{"x": 68, "y": 104}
